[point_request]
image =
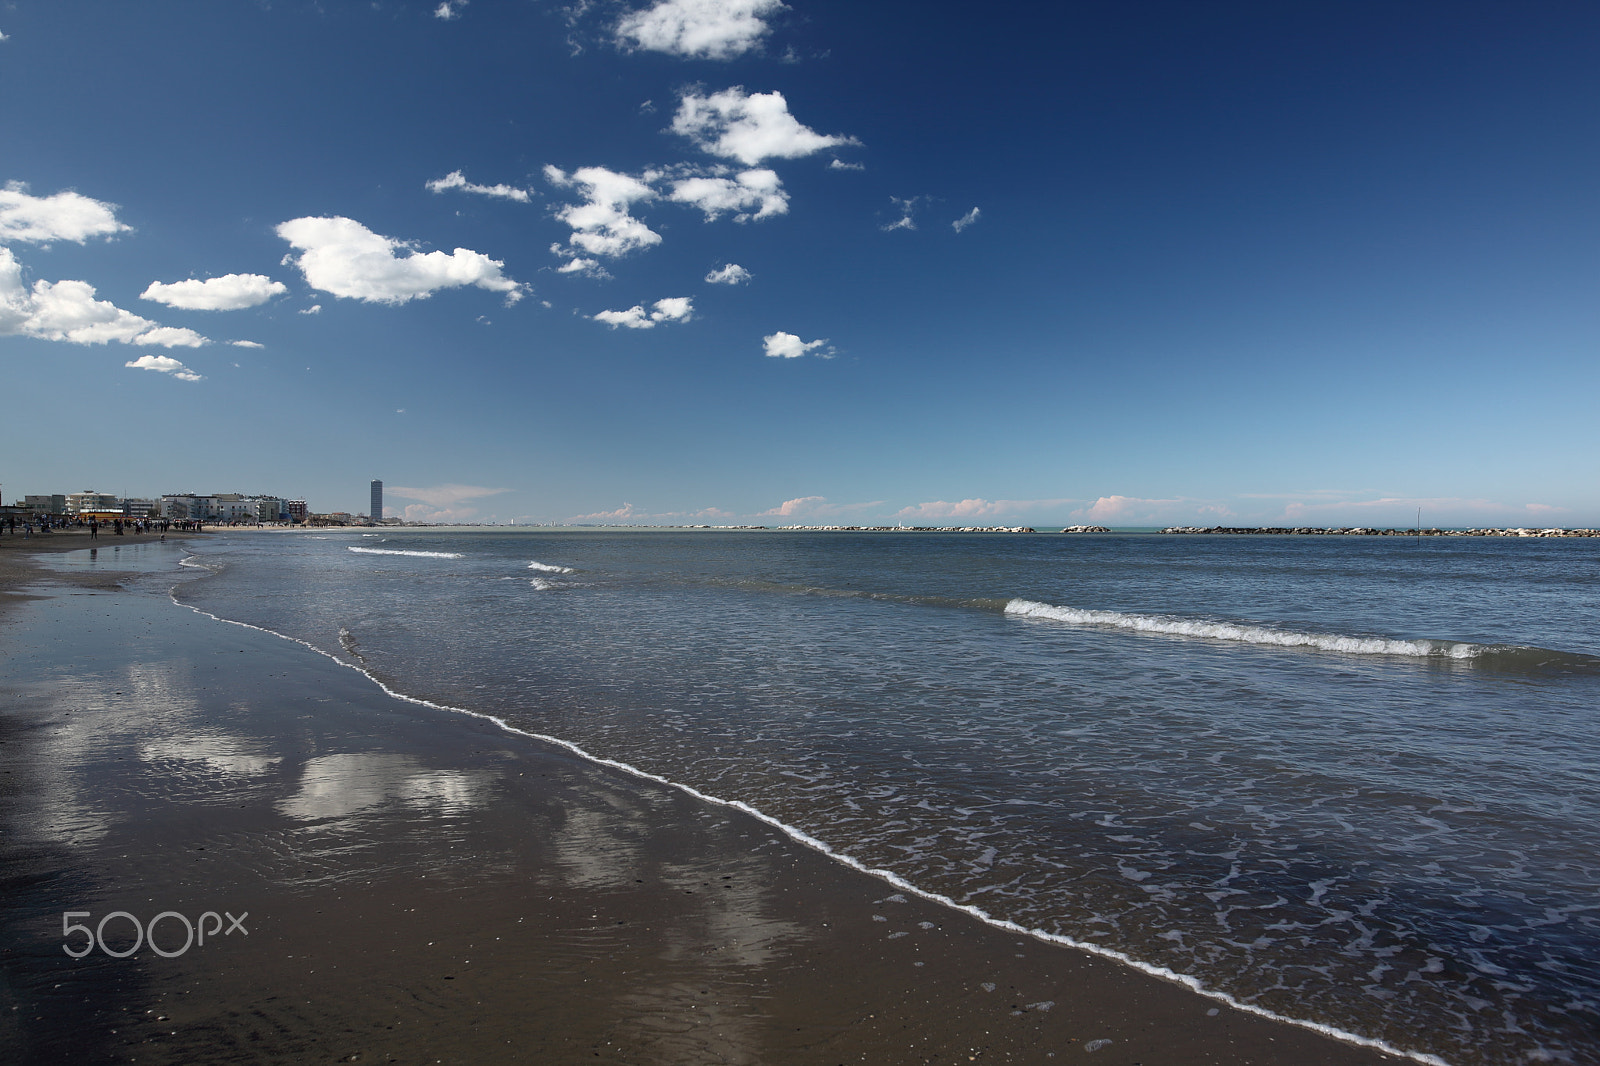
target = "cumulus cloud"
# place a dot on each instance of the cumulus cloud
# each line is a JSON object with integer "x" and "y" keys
{"x": 449, "y": 495}
{"x": 64, "y": 216}
{"x": 343, "y": 257}
{"x": 246, "y": 344}
{"x": 782, "y": 345}
{"x": 68, "y": 311}
{"x": 797, "y": 506}
{"x": 449, "y": 9}
{"x": 698, "y": 29}
{"x": 732, "y": 274}
{"x": 965, "y": 220}
{"x": 749, "y": 127}
{"x": 457, "y": 180}
{"x": 1136, "y": 510}
{"x": 231, "y": 292}
{"x": 602, "y": 224}
{"x": 587, "y": 267}
{"x": 974, "y": 508}
{"x": 905, "y": 220}
{"x": 166, "y": 365}
{"x": 750, "y": 194}
{"x": 621, "y": 514}
{"x": 815, "y": 507}
{"x": 671, "y": 309}
{"x": 314, "y": 309}
{"x": 840, "y": 164}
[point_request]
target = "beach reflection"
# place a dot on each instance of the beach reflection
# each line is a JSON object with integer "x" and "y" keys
{"x": 701, "y": 998}
{"x": 337, "y": 786}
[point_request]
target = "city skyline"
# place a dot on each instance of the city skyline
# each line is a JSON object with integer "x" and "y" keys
{"x": 686, "y": 262}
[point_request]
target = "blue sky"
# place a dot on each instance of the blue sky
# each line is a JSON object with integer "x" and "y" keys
{"x": 1131, "y": 263}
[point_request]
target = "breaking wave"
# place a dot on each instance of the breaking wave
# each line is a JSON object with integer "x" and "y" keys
{"x": 396, "y": 551}
{"x": 550, "y": 568}
{"x": 1502, "y": 655}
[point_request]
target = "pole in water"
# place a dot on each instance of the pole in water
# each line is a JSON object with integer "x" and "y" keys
{"x": 1419, "y": 527}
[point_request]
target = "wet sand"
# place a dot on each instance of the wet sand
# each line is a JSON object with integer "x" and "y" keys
{"x": 424, "y": 887}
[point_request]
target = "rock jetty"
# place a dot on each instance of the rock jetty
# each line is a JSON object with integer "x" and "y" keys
{"x": 1085, "y": 529}
{"x": 1369, "y": 531}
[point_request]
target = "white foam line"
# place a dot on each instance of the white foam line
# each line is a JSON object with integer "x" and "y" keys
{"x": 549, "y": 568}
{"x": 800, "y": 836}
{"x": 396, "y": 551}
{"x": 1245, "y": 634}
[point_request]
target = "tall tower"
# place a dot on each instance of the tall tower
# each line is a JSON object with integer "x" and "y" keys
{"x": 377, "y": 501}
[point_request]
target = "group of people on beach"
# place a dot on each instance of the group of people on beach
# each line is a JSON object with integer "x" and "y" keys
{"x": 45, "y": 523}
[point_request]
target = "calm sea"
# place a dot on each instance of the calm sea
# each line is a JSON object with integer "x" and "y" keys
{"x": 1352, "y": 781}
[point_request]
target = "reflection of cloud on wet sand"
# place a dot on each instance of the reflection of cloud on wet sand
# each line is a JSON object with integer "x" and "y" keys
{"x": 215, "y": 753}
{"x": 724, "y": 928}
{"x": 336, "y": 786}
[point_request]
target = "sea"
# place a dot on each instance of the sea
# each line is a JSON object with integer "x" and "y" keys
{"x": 1349, "y": 781}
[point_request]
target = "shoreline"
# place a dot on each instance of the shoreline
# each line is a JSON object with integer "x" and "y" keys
{"x": 365, "y": 831}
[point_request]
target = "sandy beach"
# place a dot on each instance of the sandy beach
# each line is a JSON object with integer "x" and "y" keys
{"x": 413, "y": 885}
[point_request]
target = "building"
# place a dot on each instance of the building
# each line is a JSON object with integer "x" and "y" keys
{"x": 91, "y": 501}
{"x": 56, "y": 504}
{"x": 377, "y": 501}
{"x": 296, "y": 510}
{"x": 137, "y": 508}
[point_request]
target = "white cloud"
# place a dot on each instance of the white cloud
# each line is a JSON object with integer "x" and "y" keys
{"x": 749, "y": 127}
{"x": 246, "y": 344}
{"x": 965, "y": 220}
{"x": 782, "y": 345}
{"x": 626, "y": 511}
{"x": 449, "y": 9}
{"x": 974, "y": 508}
{"x": 343, "y": 257}
{"x": 815, "y": 507}
{"x": 231, "y": 292}
{"x": 1136, "y": 510}
{"x": 671, "y": 309}
{"x": 457, "y": 180}
{"x": 449, "y": 495}
{"x": 791, "y": 508}
{"x": 65, "y": 216}
{"x": 840, "y": 164}
{"x": 588, "y": 267}
{"x": 68, "y": 311}
{"x": 905, "y": 220}
{"x": 312, "y": 310}
{"x": 441, "y": 503}
{"x": 698, "y": 29}
{"x": 166, "y": 365}
{"x": 732, "y": 274}
{"x": 753, "y": 194}
{"x": 602, "y": 224}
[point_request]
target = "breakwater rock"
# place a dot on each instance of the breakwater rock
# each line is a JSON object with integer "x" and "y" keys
{"x": 1085, "y": 529}
{"x": 1369, "y": 531}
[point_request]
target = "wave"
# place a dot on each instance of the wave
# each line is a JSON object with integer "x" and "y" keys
{"x": 550, "y": 568}
{"x": 1512, "y": 656}
{"x": 396, "y": 551}
{"x": 805, "y": 839}
{"x": 542, "y": 585}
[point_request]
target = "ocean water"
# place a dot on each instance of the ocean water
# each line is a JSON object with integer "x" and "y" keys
{"x": 1353, "y": 782}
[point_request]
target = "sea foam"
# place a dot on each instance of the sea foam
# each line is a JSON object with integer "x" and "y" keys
{"x": 419, "y": 555}
{"x": 550, "y": 568}
{"x": 1247, "y": 634}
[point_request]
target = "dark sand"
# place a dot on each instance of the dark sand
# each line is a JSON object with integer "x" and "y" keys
{"x": 423, "y": 887}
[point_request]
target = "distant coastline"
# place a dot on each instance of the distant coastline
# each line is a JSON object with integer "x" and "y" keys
{"x": 1369, "y": 531}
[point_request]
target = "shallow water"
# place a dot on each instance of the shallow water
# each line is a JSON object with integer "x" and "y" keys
{"x": 1348, "y": 781}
